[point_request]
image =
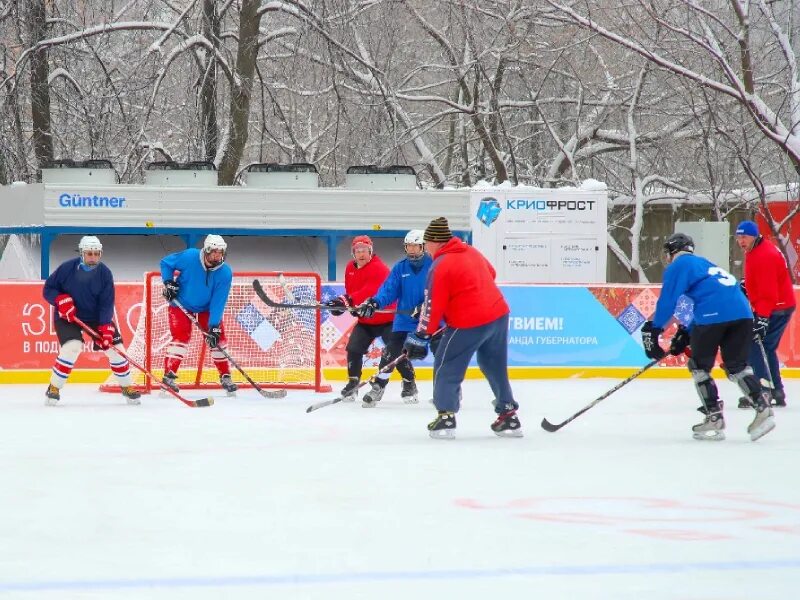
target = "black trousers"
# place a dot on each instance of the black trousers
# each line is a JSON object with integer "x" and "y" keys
{"x": 731, "y": 338}
{"x": 360, "y": 339}
{"x": 72, "y": 331}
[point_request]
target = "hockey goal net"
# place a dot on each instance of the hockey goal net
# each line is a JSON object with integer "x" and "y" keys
{"x": 276, "y": 347}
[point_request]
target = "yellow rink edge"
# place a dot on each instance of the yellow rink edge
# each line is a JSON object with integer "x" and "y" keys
{"x": 423, "y": 373}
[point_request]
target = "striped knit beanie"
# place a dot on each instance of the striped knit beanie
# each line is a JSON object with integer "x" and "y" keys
{"x": 438, "y": 231}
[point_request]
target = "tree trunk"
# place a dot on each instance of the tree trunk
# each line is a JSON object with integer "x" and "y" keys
{"x": 249, "y": 21}
{"x": 40, "y": 88}
{"x": 208, "y": 87}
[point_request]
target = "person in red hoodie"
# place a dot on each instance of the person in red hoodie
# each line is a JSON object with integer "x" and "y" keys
{"x": 363, "y": 277}
{"x": 461, "y": 291}
{"x": 769, "y": 288}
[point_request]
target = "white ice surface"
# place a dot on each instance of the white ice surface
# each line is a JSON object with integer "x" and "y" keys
{"x": 254, "y": 498}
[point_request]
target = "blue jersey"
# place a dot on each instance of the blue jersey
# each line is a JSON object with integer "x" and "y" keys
{"x": 717, "y": 296}
{"x": 92, "y": 291}
{"x": 407, "y": 287}
{"x": 201, "y": 289}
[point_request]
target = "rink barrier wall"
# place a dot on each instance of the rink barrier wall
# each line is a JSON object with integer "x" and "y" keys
{"x": 555, "y": 331}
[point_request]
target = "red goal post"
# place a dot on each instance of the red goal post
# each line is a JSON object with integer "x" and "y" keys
{"x": 278, "y": 348}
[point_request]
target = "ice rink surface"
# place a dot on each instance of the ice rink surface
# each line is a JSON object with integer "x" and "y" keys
{"x": 254, "y": 498}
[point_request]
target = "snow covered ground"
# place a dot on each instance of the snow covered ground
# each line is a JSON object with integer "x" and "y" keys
{"x": 254, "y": 498}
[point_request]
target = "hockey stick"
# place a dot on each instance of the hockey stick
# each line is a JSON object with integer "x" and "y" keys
{"x": 769, "y": 383}
{"x": 387, "y": 367}
{"x": 548, "y": 426}
{"x": 258, "y": 388}
{"x": 193, "y": 403}
{"x": 314, "y": 305}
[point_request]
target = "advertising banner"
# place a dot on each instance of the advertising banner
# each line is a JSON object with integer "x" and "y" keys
{"x": 549, "y": 326}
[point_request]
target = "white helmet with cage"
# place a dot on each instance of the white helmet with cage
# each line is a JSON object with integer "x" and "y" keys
{"x": 89, "y": 242}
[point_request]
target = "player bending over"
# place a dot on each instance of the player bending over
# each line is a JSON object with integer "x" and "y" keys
{"x": 722, "y": 321}
{"x": 83, "y": 287}
{"x": 202, "y": 287}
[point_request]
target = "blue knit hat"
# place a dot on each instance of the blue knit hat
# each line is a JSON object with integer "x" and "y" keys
{"x": 747, "y": 228}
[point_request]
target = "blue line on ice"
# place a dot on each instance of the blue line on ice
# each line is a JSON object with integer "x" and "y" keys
{"x": 377, "y": 576}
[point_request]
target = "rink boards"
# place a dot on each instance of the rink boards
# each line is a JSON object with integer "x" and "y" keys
{"x": 555, "y": 331}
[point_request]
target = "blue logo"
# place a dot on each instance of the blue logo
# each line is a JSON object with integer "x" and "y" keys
{"x": 78, "y": 201}
{"x": 488, "y": 211}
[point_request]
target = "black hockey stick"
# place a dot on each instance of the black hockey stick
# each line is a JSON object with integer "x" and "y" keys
{"x": 387, "y": 367}
{"x": 203, "y": 402}
{"x": 548, "y": 426}
{"x": 313, "y": 305}
{"x": 258, "y": 388}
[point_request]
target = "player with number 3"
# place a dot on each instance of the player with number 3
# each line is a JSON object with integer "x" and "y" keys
{"x": 722, "y": 320}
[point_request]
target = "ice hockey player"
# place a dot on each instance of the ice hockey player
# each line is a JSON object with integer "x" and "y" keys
{"x": 769, "y": 289}
{"x": 722, "y": 321}
{"x": 83, "y": 287}
{"x": 202, "y": 285}
{"x": 461, "y": 291}
{"x": 362, "y": 278}
{"x": 406, "y": 286}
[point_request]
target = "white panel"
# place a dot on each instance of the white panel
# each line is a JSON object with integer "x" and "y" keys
{"x": 711, "y": 240}
{"x": 281, "y": 180}
{"x": 380, "y": 181}
{"x": 80, "y": 176}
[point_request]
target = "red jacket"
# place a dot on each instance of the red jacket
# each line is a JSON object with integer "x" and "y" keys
{"x": 461, "y": 289}
{"x": 362, "y": 283}
{"x": 766, "y": 276}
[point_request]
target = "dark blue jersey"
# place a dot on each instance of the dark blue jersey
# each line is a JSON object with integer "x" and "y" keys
{"x": 92, "y": 291}
{"x": 717, "y": 296}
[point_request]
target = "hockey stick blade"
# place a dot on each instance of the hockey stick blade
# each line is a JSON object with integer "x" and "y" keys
{"x": 548, "y": 426}
{"x": 323, "y": 404}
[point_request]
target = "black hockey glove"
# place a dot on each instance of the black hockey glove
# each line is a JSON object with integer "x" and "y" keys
{"x": 760, "y": 326}
{"x": 652, "y": 348}
{"x": 338, "y": 303}
{"x": 680, "y": 341}
{"x": 416, "y": 346}
{"x": 212, "y": 337}
{"x": 171, "y": 289}
{"x": 368, "y": 309}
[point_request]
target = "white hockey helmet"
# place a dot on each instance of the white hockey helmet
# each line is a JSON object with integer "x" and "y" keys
{"x": 214, "y": 242}
{"x": 89, "y": 242}
{"x": 414, "y": 237}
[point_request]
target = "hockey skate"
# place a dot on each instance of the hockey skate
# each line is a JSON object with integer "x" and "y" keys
{"x": 375, "y": 394}
{"x": 409, "y": 393}
{"x": 778, "y": 398}
{"x": 169, "y": 381}
{"x": 350, "y": 391}
{"x": 227, "y": 384}
{"x": 443, "y": 427}
{"x": 507, "y": 424}
{"x": 764, "y": 421}
{"x": 131, "y": 395}
{"x": 53, "y": 395}
{"x": 712, "y": 428}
